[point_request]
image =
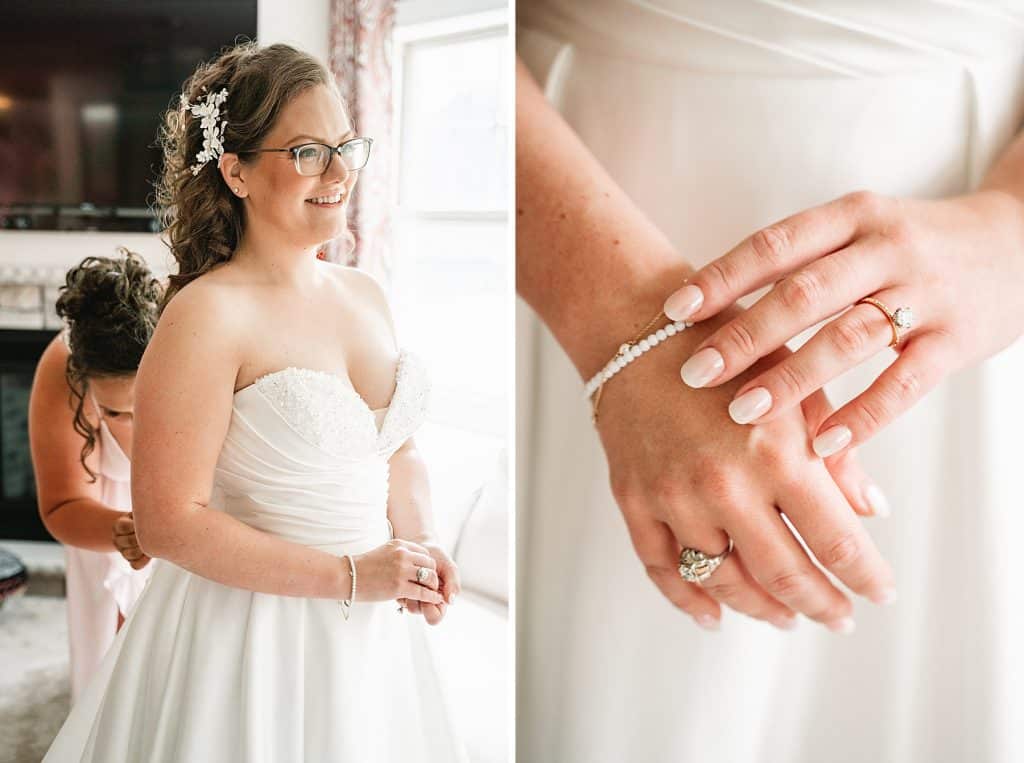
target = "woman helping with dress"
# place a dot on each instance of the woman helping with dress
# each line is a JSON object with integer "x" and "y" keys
{"x": 275, "y": 478}
{"x": 80, "y": 431}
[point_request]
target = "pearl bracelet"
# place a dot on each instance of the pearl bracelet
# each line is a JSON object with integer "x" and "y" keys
{"x": 628, "y": 352}
{"x": 346, "y": 604}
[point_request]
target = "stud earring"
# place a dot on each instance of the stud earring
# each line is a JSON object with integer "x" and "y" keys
{"x": 235, "y": 190}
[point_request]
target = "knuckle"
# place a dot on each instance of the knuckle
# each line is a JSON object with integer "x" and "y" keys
{"x": 771, "y": 244}
{"x": 843, "y": 552}
{"x": 723, "y": 591}
{"x": 871, "y": 412}
{"x": 791, "y": 380}
{"x": 788, "y": 585}
{"x": 667, "y": 488}
{"x": 777, "y": 460}
{"x": 800, "y": 292}
{"x": 722, "y": 272}
{"x": 712, "y": 480}
{"x": 864, "y": 202}
{"x": 739, "y": 337}
{"x": 907, "y": 384}
{"x": 900, "y": 233}
{"x": 849, "y": 336}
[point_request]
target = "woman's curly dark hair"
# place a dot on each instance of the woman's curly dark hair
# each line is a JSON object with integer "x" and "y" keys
{"x": 204, "y": 221}
{"x": 110, "y": 308}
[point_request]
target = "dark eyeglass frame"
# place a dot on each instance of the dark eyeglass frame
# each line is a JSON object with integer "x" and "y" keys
{"x": 294, "y": 151}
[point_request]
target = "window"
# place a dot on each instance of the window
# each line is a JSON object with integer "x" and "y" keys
{"x": 449, "y": 286}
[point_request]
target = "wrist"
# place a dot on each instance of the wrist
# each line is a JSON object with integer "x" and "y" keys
{"x": 658, "y": 370}
{"x": 343, "y": 584}
{"x": 592, "y": 334}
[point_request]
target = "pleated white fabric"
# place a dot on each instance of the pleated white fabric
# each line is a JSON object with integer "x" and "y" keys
{"x": 206, "y": 672}
{"x": 99, "y": 584}
{"x": 717, "y": 119}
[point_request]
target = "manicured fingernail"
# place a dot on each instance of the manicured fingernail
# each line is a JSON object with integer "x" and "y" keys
{"x": 876, "y": 500}
{"x": 702, "y": 367}
{"x": 784, "y": 623}
{"x": 843, "y": 625}
{"x": 887, "y": 596}
{"x": 708, "y": 622}
{"x": 684, "y": 302}
{"x": 832, "y": 440}
{"x": 751, "y": 405}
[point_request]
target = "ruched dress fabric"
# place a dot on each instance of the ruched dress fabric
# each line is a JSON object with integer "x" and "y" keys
{"x": 201, "y": 671}
{"x": 718, "y": 118}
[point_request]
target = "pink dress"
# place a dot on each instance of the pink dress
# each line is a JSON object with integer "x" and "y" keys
{"x": 100, "y": 583}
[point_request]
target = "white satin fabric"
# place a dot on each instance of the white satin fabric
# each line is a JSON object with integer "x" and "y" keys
{"x": 717, "y": 119}
{"x": 206, "y": 672}
{"x": 99, "y": 584}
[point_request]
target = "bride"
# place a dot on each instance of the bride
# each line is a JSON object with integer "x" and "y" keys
{"x": 275, "y": 481}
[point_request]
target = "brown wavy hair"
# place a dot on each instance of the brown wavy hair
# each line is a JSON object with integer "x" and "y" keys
{"x": 203, "y": 220}
{"x": 110, "y": 307}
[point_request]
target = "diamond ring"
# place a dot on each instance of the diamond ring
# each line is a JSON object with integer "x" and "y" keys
{"x": 901, "y": 319}
{"x": 422, "y": 573}
{"x": 695, "y": 566}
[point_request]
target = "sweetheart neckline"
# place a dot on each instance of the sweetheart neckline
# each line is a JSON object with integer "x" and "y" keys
{"x": 345, "y": 382}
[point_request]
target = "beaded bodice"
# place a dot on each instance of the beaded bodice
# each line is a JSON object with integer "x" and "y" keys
{"x": 304, "y": 457}
{"x": 325, "y": 409}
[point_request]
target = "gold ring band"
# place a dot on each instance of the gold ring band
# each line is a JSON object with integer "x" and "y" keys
{"x": 900, "y": 319}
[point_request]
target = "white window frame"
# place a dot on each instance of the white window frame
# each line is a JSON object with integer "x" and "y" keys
{"x": 420, "y": 21}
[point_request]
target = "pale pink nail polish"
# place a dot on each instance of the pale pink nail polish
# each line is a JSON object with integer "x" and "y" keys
{"x": 784, "y": 623}
{"x": 702, "y": 367}
{"x": 844, "y": 625}
{"x": 707, "y": 622}
{"x": 876, "y": 500}
{"x": 751, "y": 405}
{"x": 832, "y": 440}
{"x": 684, "y": 302}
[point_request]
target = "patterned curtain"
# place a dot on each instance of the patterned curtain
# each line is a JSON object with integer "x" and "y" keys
{"x": 360, "y": 58}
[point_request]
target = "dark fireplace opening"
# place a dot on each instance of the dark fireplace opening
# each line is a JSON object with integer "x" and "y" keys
{"x": 20, "y": 350}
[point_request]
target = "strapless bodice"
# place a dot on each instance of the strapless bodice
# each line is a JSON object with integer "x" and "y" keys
{"x": 305, "y": 457}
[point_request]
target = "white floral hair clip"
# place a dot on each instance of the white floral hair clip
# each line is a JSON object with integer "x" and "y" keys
{"x": 213, "y": 126}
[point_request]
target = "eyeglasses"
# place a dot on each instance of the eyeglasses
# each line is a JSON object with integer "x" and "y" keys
{"x": 315, "y": 158}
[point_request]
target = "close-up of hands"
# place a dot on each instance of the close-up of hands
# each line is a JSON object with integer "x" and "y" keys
{"x": 684, "y": 474}
{"x": 448, "y": 587}
{"x": 956, "y": 264}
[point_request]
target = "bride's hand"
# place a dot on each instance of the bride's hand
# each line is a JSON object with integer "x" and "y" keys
{"x": 957, "y": 263}
{"x": 684, "y": 474}
{"x": 389, "y": 572}
{"x": 448, "y": 573}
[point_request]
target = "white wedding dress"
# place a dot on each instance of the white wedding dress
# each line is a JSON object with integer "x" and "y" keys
{"x": 201, "y": 671}
{"x": 718, "y": 118}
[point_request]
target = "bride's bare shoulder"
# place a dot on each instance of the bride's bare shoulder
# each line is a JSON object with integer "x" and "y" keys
{"x": 361, "y": 286}
{"x": 367, "y": 294}
{"x": 211, "y": 296}
{"x": 207, "y": 315}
